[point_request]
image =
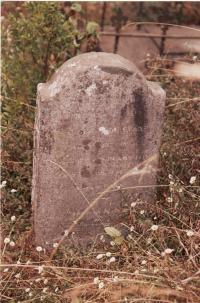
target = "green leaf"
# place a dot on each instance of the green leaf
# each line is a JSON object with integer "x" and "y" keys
{"x": 76, "y": 7}
{"x": 112, "y": 232}
{"x": 91, "y": 27}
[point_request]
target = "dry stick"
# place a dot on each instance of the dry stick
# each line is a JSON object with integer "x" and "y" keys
{"x": 191, "y": 140}
{"x": 153, "y": 185}
{"x": 191, "y": 278}
{"x": 140, "y": 300}
{"x": 187, "y": 99}
{"x": 174, "y": 217}
{"x": 152, "y": 292}
{"x": 103, "y": 271}
{"x": 134, "y": 171}
{"x": 186, "y": 250}
{"x": 193, "y": 99}
{"x": 14, "y": 129}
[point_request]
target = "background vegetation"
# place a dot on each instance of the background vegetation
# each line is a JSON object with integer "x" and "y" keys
{"x": 159, "y": 260}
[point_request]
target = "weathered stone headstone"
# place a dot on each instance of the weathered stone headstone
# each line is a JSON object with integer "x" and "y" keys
{"x": 97, "y": 118}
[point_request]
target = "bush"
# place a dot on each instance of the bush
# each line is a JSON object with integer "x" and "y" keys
{"x": 36, "y": 38}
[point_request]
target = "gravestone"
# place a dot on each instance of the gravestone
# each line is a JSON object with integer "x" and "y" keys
{"x": 97, "y": 118}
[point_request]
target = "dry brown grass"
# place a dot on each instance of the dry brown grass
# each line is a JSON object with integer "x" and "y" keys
{"x": 142, "y": 270}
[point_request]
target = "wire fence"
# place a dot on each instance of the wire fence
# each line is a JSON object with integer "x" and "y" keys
{"x": 163, "y": 36}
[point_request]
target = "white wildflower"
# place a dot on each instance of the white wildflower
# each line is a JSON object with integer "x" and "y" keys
{"x": 116, "y": 279}
{"x": 112, "y": 259}
{"x": 102, "y": 238}
{"x": 39, "y": 248}
{"x": 30, "y": 294}
{"x": 3, "y": 184}
{"x": 45, "y": 281}
{"x": 108, "y": 254}
{"x": 101, "y": 285}
{"x": 189, "y": 233}
{"x": 193, "y": 179}
{"x": 18, "y": 275}
{"x": 13, "y": 190}
{"x": 149, "y": 240}
{"x": 112, "y": 243}
{"x": 130, "y": 237}
{"x": 180, "y": 190}
{"x": 55, "y": 245}
{"x": 169, "y": 199}
{"x": 45, "y": 289}
{"x": 167, "y": 251}
{"x": 40, "y": 269}
{"x": 13, "y": 218}
{"x": 99, "y": 256}
{"x": 7, "y": 240}
{"x": 6, "y": 270}
{"x": 27, "y": 289}
{"x": 66, "y": 232}
{"x": 12, "y": 243}
{"x": 133, "y": 204}
{"x": 142, "y": 212}
{"x": 154, "y": 227}
{"x": 96, "y": 280}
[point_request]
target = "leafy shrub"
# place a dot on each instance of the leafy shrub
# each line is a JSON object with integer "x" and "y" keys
{"x": 36, "y": 39}
{"x": 35, "y": 43}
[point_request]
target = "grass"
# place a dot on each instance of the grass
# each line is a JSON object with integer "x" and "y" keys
{"x": 159, "y": 260}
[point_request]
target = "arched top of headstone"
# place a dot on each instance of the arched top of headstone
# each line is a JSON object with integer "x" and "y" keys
{"x": 95, "y": 63}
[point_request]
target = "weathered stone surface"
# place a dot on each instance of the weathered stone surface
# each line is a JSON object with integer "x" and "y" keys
{"x": 96, "y": 119}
